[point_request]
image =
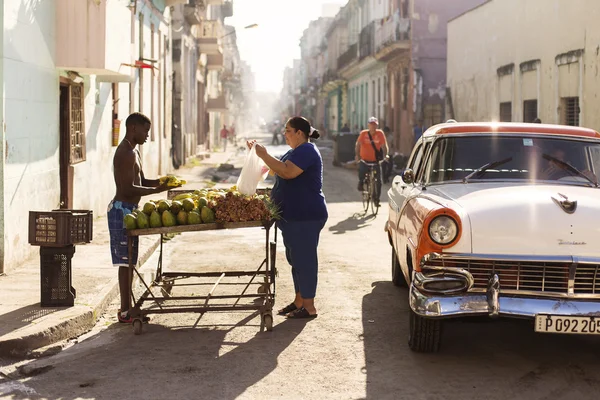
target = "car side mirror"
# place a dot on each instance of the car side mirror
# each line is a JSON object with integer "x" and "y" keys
{"x": 408, "y": 176}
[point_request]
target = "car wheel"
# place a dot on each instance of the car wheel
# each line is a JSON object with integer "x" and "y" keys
{"x": 424, "y": 334}
{"x": 397, "y": 275}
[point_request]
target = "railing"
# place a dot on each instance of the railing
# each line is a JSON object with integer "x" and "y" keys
{"x": 329, "y": 76}
{"x": 349, "y": 55}
{"x": 367, "y": 40}
{"x": 393, "y": 30}
{"x": 210, "y": 29}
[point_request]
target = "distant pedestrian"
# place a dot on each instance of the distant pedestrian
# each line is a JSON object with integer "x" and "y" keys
{"x": 224, "y": 135}
{"x": 275, "y": 138}
{"x": 232, "y": 134}
{"x": 537, "y": 121}
{"x": 345, "y": 128}
{"x": 417, "y": 131}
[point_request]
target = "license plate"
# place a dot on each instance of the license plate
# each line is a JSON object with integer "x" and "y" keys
{"x": 565, "y": 324}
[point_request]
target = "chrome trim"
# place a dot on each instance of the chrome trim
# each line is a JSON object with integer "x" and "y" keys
{"x": 493, "y": 291}
{"x": 420, "y": 280}
{"x": 472, "y": 304}
{"x": 579, "y": 279}
{"x": 412, "y": 243}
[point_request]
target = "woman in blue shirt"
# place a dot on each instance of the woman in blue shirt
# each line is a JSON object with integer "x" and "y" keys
{"x": 298, "y": 194}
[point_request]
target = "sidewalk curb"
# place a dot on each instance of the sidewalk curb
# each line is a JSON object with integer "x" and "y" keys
{"x": 78, "y": 320}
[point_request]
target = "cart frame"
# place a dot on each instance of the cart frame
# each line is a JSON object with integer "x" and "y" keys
{"x": 167, "y": 280}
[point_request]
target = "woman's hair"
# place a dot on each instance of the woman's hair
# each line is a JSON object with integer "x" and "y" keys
{"x": 302, "y": 124}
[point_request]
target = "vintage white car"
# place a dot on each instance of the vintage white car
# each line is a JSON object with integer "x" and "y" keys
{"x": 498, "y": 219}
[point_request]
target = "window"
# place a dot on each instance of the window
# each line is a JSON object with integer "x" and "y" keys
{"x": 432, "y": 114}
{"x": 569, "y": 111}
{"x": 76, "y": 124}
{"x": 141, "y": 70}
{"x": 506, "y": 112}
{"x": 530, "y": 110}
{"x": 519, "y": 158}
{"x": 373, "y": 89}
{"x": 404, "y": 85}
{"x": 385, "y": 89}
{"x": 379, "y": 90}
{"x": 420, "y": 168}
{"x": 152, "y": 78}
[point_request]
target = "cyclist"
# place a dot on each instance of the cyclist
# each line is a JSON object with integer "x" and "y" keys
{"x": 371, "y": 148}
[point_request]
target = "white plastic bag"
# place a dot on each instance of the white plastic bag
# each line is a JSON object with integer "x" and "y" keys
{"x": 253, "y": 171}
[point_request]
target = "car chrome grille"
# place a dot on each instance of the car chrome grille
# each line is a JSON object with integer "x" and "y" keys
{"x": 531, "y": 276}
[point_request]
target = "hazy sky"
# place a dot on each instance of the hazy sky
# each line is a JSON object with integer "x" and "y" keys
{"x": 274, "y": 44}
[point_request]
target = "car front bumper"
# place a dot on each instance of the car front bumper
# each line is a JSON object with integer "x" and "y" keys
{"x": 494, "y": 304}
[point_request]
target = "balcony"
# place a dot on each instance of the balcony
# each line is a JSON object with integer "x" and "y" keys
{"x": 214, "y": 62}
{"x": 215, "y": 2}
{"x": 366, "y": 40}
{"x": 192, "y": 14}
{"x": 217, "y": 104}
{"x": 392, "y": 38}
{"x": 207, "y": 35}
{"x": 86, "y": 40}
{"x": 170, "y": 3}
{"x": 349, "y": 55}
{"x": 227, "y": 9}
{"x": 329, "y": 76}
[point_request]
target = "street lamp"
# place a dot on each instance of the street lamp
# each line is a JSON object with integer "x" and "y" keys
{"x": 246, "y": 27}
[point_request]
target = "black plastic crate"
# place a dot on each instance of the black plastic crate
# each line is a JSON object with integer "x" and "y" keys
{"x": 55, "y": 276}
{"x": 59, "y": 228}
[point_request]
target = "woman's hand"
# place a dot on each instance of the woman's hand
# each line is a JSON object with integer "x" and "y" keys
{"x": 250, "y": 143}
{"x": 261, "y": 151}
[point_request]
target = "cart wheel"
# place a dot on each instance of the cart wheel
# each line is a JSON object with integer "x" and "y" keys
{"x": 262, "y": 289}
{"x": 268, "y": 322}
{"x": 137, "y": 326}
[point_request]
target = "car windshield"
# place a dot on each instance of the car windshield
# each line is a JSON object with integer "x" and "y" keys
{"x": 523, "y": 158}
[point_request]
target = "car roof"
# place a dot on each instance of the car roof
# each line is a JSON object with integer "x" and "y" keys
{"x": 510, "y": 127}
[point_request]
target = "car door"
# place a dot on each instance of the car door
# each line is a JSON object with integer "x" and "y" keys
{"x": 401, "y": 191}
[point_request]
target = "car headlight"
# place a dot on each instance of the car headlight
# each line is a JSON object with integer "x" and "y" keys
{"x": 443, "y": 229}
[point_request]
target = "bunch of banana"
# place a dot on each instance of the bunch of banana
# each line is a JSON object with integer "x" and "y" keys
{"x": 172, "y": 181}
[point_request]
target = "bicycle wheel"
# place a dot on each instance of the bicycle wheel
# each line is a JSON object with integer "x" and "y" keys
{"x": 366, "y": 193}
{"x": 372, "y": 194}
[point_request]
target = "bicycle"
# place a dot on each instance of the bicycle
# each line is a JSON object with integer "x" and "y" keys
{"x": 369, "y": 188}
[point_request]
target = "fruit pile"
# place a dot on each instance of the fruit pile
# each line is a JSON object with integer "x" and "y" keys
{"x": 172, "y": 181}
{"x": 202, "y": 207}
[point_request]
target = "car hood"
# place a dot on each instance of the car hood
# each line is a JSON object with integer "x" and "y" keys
{"x": 527, "y": 219}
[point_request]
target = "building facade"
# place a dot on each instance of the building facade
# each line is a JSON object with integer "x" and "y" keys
{"x": 387, "y": 58}
{"x": 554, "y": 79}
{"x": 69, "y": 83}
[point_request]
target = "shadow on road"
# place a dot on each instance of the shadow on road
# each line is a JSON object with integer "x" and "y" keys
{"x": 479, "y": 358}
{"x": 352, "y": 223}
{"x": 183, "y": 363}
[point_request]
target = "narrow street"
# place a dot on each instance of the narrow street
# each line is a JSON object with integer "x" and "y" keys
{"x": 356, "y": 348}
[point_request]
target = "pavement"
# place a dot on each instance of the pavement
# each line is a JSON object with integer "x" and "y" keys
{"x": 26, "y": 328}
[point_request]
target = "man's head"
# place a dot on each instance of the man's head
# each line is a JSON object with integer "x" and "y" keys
{"x": 373, "y": 124}
{"x": 138, "y": 127}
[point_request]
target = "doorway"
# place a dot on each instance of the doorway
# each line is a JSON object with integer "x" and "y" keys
{"x": 66, "y": 169}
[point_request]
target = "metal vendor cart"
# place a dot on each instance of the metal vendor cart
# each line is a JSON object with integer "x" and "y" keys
{"x": 164, "y": 282}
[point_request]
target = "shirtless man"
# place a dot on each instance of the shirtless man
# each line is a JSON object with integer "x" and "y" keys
{"x": 131, "y": 186}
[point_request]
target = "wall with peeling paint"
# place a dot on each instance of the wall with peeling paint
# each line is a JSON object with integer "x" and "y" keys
{"x": 548, "y": 48}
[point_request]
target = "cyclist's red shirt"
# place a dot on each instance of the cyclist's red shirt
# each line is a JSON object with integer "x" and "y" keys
{"x": 367, "y": 153}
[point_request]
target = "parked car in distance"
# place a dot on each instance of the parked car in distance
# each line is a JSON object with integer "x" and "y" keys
{"x": 498, "y": 219}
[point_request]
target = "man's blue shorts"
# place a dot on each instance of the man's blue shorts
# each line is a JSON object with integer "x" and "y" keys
{"x": 118, "y": 234}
